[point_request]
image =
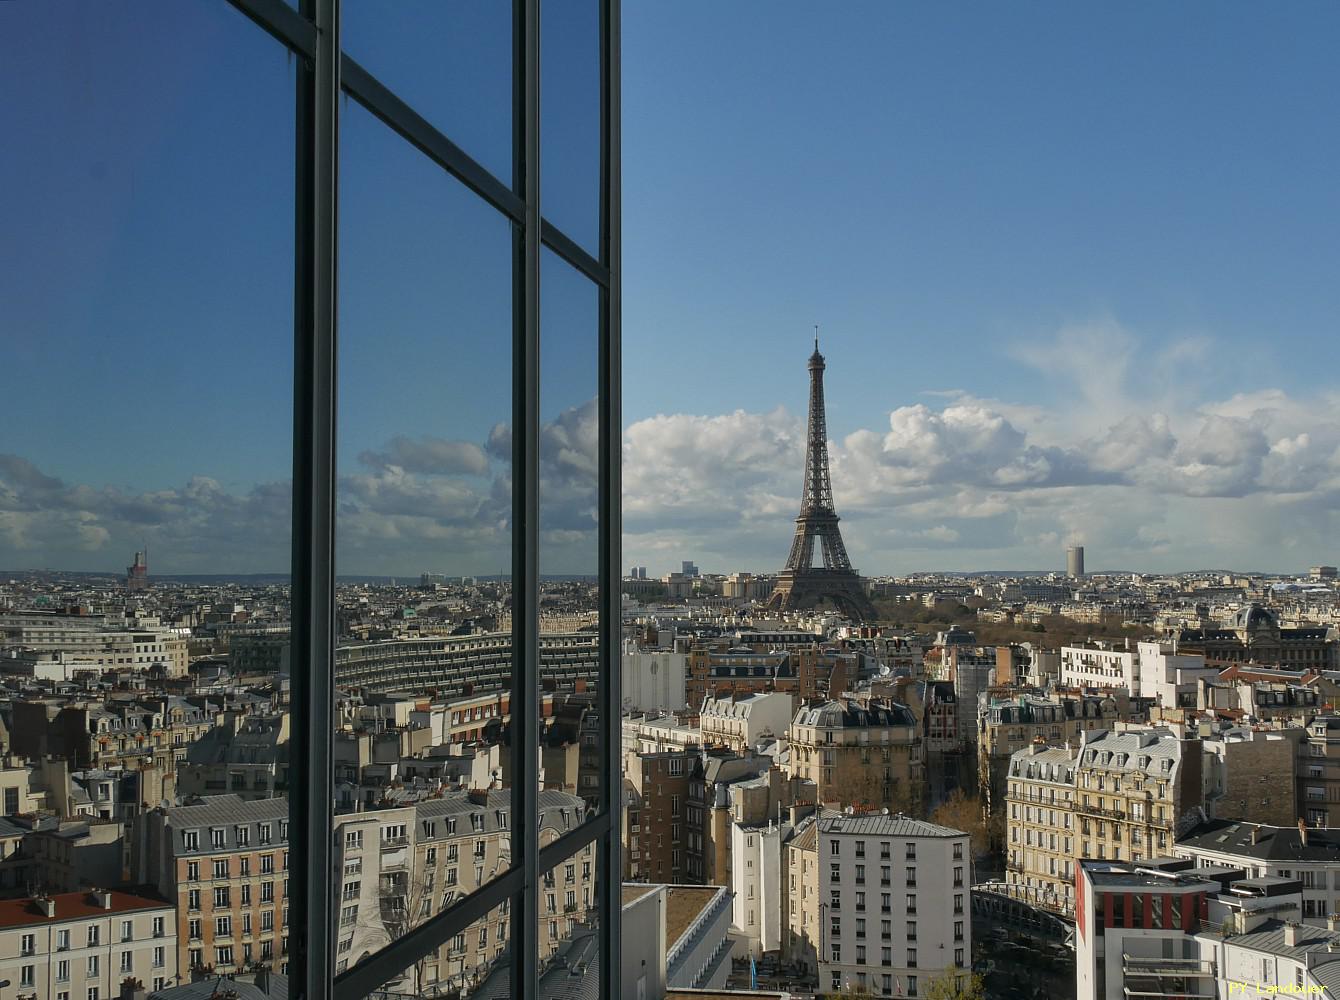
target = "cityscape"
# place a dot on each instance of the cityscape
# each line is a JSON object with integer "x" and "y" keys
{"x": 1049, "y": 772}
{"x": 630, "y": 501}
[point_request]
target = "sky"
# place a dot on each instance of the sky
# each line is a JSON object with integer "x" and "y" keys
{"x": 1073, "y": 267}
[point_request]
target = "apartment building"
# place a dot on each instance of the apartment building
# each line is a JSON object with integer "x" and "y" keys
{"x": 1245, "y": 774}
{"x": 1115, "y": 796}
{"x": 800, "y": 895}
{"x": 1040, "y": 826}
{"x": 84, "y": 945}
{"x": 860, "y": 755}
{"x": 1318, "y": 772}
{"x": 401, "y": 866}
{"x": 757, "y": 891}
{"x": 244, "y": 754}
{"x": 1100, "y": 666}
{"x": 721, "y": 671}
{"x": 224, "y": 863}
{"x": 661, "y": 781}
{"x": 1131, "y": 791}
{"x": 1013, "y": 721}
{"x": 893, "y": 902}
{"x": 742, "y": 723}
{"x": 148, "y": 648}
{"x": 1312, "y": 857}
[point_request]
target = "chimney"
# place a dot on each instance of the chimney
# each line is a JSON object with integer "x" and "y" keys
{"x": 1291, "y": 934}
{"x": 1256, "y": 835}
{"x": 1302, "y": 831}
{"x": 102, "y": 898}
{"x": 46, "y": 906}
{"x": 1333, "y": 922}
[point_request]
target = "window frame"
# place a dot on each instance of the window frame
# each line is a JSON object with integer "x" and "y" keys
{"x": 326, "y": 75}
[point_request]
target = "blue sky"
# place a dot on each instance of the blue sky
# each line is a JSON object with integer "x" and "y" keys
{"x": 1073, "y": 263}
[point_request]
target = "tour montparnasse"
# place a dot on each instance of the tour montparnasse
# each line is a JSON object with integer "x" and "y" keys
{"x": 802, "y": 584}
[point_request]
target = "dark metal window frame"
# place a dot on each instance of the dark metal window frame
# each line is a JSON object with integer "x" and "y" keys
{"x": 312, "y": 33}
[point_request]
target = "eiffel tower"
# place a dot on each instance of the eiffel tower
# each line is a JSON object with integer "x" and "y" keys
{"x": 801, "y": 584}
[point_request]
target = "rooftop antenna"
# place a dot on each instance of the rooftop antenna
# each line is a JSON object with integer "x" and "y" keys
{"x": 816, "y": 338}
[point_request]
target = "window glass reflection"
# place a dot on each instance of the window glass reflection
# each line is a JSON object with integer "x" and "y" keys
{"x": 570, "y": 669}
{"x": 570, "y": 118}
{"x": 145, "y": 482}
{"x": 424, "y": 663}
{"x": 451, "y": 60}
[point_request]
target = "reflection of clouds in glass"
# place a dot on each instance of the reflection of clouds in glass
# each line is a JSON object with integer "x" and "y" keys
{"x": 45, "y": 522}
{"x": 415, "y": 501}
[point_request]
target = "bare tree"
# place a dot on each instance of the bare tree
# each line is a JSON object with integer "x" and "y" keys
{"x": 946, "y": 986}
{"x": 960, "y": 812}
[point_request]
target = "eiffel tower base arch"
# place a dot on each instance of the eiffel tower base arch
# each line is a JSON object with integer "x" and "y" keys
{"x": 800, "y": 590}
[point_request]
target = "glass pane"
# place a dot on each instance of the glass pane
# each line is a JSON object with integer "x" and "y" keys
{"x": 569, "y": 935}
{"x": 569, "y": 544}
{"x": 570, "y": 119}
{"x": 146, "y": 271}
{"x": 423, "y": 536}
{"x": 450, "y": 61}
{"x": 477, "y": 961}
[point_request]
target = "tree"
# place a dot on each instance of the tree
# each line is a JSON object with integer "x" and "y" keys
{"x": 946, "y": 986}
{"x": 960, "y": 812}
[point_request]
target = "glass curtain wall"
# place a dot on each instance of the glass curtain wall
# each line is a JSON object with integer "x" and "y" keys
{"x": 304, "y": 308}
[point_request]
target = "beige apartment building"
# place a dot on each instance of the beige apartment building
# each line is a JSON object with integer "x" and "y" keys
{"x": 868, "y": 756}
{"x": 1040, "y": 826}
{"x": 800, "y": 896}
{"x": 84, "y": 945}
{"x": 1012, "y": 721}
{"x": 224, "y": 864}
{"x": 1116, "y": 796}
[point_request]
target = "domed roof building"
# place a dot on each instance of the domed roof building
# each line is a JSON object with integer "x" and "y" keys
{"x": 867, "y": 755}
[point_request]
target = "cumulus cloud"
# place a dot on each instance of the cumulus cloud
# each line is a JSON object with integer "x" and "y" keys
{"x": 436, "y": 456}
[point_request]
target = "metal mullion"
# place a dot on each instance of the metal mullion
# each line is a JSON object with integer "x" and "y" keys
{"x": 374, "y": 95}
{"x": 283, "y": 22}
{"x": 370, "y": 974}
{"x": 571, "y": 842}
{"x": 525, "y": 491}
{"x": 609, "y": 874}
{"x": 311, "y": 918}
{"x": 564, "y": 245}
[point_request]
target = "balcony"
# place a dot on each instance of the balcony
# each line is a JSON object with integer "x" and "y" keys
{"x": 1196, "y": 968}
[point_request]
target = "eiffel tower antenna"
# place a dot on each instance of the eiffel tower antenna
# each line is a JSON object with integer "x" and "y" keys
{"x": 802, "y": 584}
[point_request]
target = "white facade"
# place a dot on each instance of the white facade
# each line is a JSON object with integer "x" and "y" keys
{"x": 653, "y": 680}
{"x": 894, "y": 903}
{"x": 743, "y": 723}
{"x": 756, "y": 882}
{"x": 82, "y": 946}
{"x": 1170, "y": 676}
{"x": 1082, "y": 666}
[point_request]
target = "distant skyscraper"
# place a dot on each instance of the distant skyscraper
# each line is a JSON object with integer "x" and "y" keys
{"x": 137, "y": 574}
{"x": 1074, "y": 561}
{"x": 689, "y": 569}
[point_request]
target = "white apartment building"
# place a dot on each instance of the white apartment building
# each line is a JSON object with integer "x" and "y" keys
{"x": 1095, "y": 667}
{"x": 742, "y": 723}
{"x": 1310, "y": 855}
{"x": 1170, "y": 676}
{"x": 83, "y": 946}
{"x": 894, "y": 903}
{"x": 756, "y": 884}
{"x": 109, "y": 649}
